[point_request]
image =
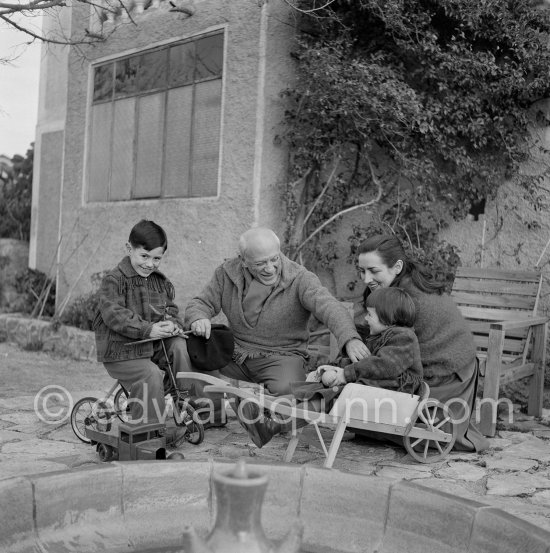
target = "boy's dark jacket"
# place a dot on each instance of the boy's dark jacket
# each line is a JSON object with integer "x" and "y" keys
{"x": 129, "y": 304}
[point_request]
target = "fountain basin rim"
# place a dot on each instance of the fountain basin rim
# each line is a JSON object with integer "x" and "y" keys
{"x": 129, "y": 505}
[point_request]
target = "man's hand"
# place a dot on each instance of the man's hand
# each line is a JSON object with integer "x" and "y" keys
{"x": 201, "y": 327}
{"x": 356, "y": 350}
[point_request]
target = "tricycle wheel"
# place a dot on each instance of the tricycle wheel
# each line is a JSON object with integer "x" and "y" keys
{"x": 434, "y": 417}
{"x": 186, "y": 415}
{"x": 89, "y": 412}
{"x": 122, "y": 409}
{"x": 106, "y": 452}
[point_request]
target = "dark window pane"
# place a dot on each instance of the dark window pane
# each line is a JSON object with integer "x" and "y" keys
{"x": 182, "y": 64}
{"x": 209, "y": 57}
{"x": 150, "y": 130}
{"x": 152, "y": 70}
{"x": 126, "y": 76}
{"x": 99, "y": 166}
{"x": 206, "y": 139}
{"x": 103, "y": 82}
{"x": 179, "y": 107}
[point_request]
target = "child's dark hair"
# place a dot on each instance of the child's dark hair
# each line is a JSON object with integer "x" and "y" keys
{"x": 393, "y": 306}
{"x": 148, "y": 235}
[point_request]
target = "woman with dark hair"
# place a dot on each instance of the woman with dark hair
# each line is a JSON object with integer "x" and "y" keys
{"x": 447, "y": 348}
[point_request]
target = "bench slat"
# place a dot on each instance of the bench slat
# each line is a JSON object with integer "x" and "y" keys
{"x": 476, "y": 272}
{"x": 519, "y": 288}
{"x": 510, "y": 346}
{"x": 481, "y": 314}
{"x": 482, "y": 328}
{"x": 506, "y": 301}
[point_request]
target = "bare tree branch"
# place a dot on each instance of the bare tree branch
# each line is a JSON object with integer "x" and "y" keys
{"x": 41, "y": 37}
{"x": 11, "y": 13}
{"x": 322, "y": 193}
{"x": 7, "y": 8}
{"x": 343, "y": 212}
{"x": 312, "y": 10}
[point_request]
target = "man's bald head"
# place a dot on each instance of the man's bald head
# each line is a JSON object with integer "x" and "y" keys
{"x": 260, "y": 251}
{"x": 258, "y": 241}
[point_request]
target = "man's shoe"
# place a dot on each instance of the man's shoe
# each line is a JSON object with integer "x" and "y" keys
{"x": 260, "y": 429}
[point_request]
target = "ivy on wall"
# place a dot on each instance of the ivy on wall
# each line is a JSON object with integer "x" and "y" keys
{"x": 411, "y": 112}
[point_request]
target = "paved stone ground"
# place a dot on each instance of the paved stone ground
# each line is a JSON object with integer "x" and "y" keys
{"x": 513, "y": 475}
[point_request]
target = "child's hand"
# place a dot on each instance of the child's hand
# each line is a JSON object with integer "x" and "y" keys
{"x": 327, "y": 377}
{"x": 335, "y": 377}
{"x": 164, "y": 329}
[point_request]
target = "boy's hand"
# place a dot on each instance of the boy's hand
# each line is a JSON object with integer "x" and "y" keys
{"x": 165, "y": 329}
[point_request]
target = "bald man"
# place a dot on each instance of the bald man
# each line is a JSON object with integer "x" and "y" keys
{"x": 268, "y": 301}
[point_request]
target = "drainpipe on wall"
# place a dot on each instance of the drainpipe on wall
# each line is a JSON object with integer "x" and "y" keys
{"x": 260, "y": 116}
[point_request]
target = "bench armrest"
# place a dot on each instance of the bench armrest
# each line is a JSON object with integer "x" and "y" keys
{"x": 519, "y": 323}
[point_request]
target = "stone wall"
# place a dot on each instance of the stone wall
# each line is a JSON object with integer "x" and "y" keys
{"x": 42, "y": 335}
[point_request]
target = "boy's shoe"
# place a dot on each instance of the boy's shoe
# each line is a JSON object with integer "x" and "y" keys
{"x": 213, "y": 424}
{"x": 175, "y": 436}
{"x": 204, "y": 415}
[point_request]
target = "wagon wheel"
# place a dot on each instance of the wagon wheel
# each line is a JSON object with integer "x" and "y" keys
{"x": 433, "y": 416}
{"x": 89, "y": 412}
{"x": 106, "y": 452}
{"x": 120, "y": 401}
{"x": 186, "y": 415}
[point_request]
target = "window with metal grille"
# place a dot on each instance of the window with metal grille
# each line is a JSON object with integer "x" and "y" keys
{"x": 155, "y": 123}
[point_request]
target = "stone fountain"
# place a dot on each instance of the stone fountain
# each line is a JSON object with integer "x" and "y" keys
{"x": 146, "y": 506}
{"x": 238, "y": 527}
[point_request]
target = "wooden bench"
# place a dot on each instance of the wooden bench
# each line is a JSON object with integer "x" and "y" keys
{"x": 501, "y": 307}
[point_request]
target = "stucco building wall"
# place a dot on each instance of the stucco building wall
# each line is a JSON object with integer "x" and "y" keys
{"x": 48, "y": 155}
{"x": 202, "y": 232}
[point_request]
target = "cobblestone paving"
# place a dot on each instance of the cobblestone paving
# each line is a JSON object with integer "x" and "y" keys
{"x": 513, "y": 475}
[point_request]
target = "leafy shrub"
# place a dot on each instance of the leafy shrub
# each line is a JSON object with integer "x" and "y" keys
{"x": 36, "y": 293}
{"x": 81, "y": 312}
{"x": 417, "y": 110}
{"x": 16, "y": 197}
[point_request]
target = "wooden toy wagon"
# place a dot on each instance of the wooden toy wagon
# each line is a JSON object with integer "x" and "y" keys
{"x": 424, "y": 424}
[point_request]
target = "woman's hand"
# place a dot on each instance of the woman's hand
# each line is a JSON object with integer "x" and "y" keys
{"x": 356, "y": 350}
{"x": 201, "y": 327}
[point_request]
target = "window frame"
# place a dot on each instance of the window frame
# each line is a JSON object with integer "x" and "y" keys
{"x": 164, "y": 90}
